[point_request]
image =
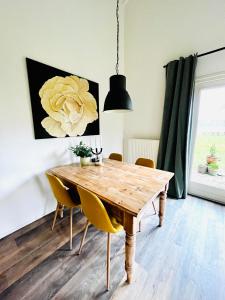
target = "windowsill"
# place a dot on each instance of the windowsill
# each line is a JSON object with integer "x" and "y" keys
{"x": 217, "y": 181}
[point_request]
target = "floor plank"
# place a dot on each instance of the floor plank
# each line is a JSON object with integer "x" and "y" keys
{"x": 34, "y": 248}
{"x": 185, "y": 259}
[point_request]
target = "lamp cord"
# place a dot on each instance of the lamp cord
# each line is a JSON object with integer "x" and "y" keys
{"x": 117, "y": 37}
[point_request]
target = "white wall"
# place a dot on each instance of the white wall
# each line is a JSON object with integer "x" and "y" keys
{"x": 75, "y": 36}
{"x": 157, "y": 32}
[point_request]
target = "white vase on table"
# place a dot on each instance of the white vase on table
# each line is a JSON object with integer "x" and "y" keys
{"x": 84, "y": 161}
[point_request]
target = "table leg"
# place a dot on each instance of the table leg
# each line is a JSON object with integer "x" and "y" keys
{"x": 162, "y": 205}
{"x": 130, "y": 245}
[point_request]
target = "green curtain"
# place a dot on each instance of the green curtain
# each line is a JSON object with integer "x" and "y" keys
{"x": 175, "y": 134}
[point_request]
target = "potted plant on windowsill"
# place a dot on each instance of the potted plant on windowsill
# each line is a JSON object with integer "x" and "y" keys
{"x": 213, "y": 169}
{"x": 212, "y": 158}
{"x": 84, "y": 152}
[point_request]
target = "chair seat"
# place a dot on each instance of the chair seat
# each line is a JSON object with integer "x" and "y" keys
{"x": 117, "y": 226}
{"x": 64, "y": 197}
{"x": 98, "y": 216}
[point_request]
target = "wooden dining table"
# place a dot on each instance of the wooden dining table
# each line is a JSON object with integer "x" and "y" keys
{"x": 128, "y": 188}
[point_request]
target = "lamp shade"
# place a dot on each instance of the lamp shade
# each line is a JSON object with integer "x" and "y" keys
{"x": 117, "y": 98}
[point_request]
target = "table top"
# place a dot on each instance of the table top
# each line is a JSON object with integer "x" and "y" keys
{"x": 128, "y": 186}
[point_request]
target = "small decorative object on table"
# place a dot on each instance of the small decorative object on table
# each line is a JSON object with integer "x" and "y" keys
{"x": 98, "y": 159}
{"x": 84, "y": 152}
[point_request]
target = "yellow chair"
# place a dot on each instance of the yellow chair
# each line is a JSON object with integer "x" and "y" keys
{"x": 63, "y": 198}
{"x": 97, "y": 215}
{"x": 116, "y": 156}
{"x": 149, "y": 163}
{"x": 145, "y": 162}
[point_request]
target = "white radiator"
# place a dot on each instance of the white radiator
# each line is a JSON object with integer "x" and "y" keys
{"x": 142, "y": 148}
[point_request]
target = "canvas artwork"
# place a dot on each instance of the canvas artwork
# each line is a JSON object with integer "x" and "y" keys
{"x": 63, "y": 104}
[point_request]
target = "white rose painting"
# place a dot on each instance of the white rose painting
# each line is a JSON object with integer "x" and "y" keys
{"x": 62, "y": 104}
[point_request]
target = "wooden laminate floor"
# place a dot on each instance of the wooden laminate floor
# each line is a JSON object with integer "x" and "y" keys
{"x": 185, "y": 259}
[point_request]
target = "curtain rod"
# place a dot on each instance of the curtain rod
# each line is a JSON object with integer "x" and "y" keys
{"x": 207, "y": 53}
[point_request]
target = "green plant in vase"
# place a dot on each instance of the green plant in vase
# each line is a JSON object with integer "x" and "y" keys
{"x": 212, "y": 158}
{"x": 83, "y": 151}
{"x": 213, "y": 168}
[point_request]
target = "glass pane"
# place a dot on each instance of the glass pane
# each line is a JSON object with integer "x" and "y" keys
{"x": 209, "y": 151}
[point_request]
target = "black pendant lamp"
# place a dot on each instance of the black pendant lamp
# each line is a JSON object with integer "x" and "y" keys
{"x": 117, "y": 98}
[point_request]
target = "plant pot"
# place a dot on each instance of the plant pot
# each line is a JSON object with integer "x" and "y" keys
{"x": 202, "y": 169}
{"x": 212, "y": 172}
{"x": 211, "y": 159}
{"x": 84, "y": 161}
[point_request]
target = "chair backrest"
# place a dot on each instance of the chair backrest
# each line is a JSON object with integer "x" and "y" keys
{"x": 60, "y": 191}
{"x": 145, "y": 162}
{"x": 116, "y": 156}
{"x": 95, "y": 211}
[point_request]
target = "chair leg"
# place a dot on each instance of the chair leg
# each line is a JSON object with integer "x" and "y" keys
{"x": 139, "y": 225}
{"x": 83, "y": 237}
{"x": 154, "y": 207}
{"x": 108, "y": 261}
{"x": 61, "y": 211}
{"x": 71, "y": 228}
{"x": 55, "y": 216}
